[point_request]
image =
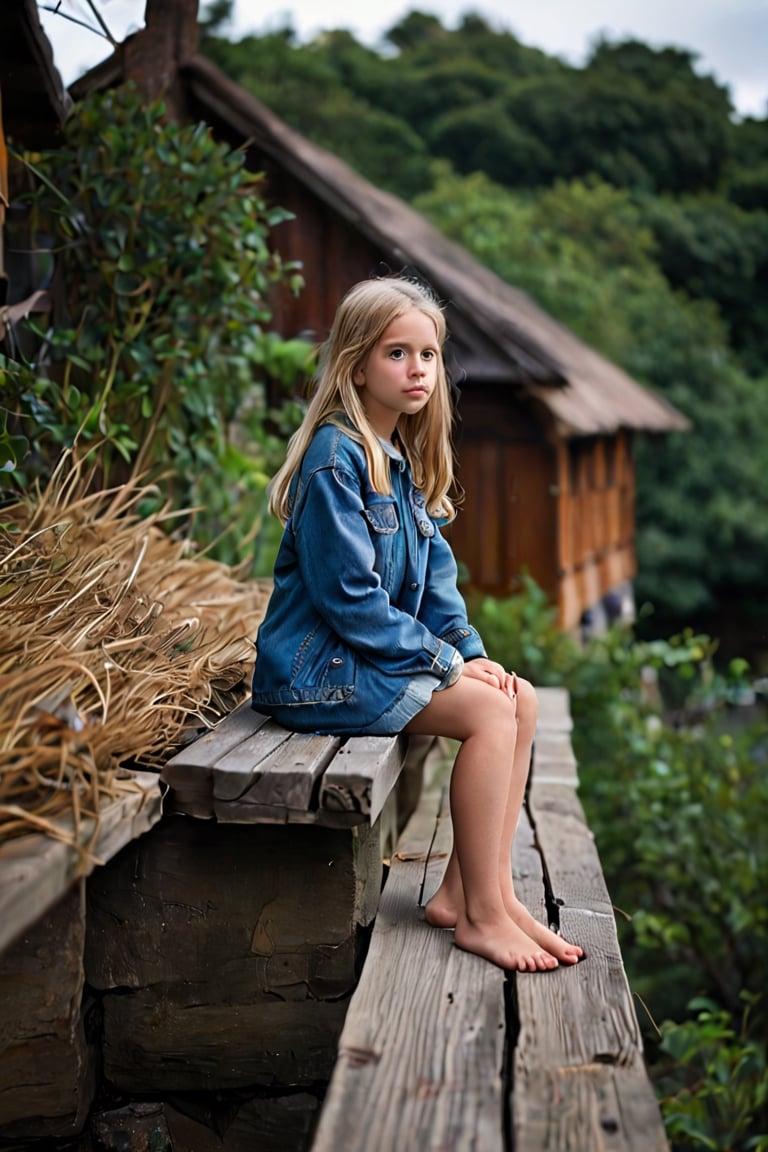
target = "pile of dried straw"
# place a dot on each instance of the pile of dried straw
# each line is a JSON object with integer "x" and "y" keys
{"x": 116, "y": 644}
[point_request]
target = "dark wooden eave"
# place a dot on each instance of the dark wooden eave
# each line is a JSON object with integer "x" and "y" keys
{"x": 35, "y": 101}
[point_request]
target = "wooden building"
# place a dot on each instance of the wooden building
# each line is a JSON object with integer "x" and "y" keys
{"x": 546, "y": 423}
{"x": 33, "y": 107}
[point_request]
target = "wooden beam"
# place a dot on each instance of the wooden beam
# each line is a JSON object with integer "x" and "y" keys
{"x": 36, "y": 870}
{"x": 362, "y": 774}
{"x": 422, "y": 1049}
{"x": 579, "y": 1078}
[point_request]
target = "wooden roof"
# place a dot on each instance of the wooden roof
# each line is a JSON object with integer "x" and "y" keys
{"x": 34, "y": 100}
{"x": 513, "y": 338}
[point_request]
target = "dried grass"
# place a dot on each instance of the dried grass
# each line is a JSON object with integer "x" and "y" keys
{"x": 117, "y": 644}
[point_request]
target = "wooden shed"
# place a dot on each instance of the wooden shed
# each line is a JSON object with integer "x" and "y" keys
{"x": 546, "y": 423}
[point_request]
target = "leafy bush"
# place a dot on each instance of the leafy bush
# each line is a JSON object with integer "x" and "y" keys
{"x": 158, "y": 238}
{"x": 725, "y": 1091}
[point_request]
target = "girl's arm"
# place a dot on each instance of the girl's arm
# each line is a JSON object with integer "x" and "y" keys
{"x": 336, "y": 560}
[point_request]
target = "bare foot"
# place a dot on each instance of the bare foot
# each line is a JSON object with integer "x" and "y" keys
{"x": 504, "y": 944}
{"x": 442, "y": 912}
{"x": 566, "y": 953}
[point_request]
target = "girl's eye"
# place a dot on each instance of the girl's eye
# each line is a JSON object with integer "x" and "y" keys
{"x": 428, "y": 354}
{"x": 397, "y": 354}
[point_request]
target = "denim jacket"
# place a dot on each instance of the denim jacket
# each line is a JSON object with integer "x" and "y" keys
{"x": 364, "y": 598}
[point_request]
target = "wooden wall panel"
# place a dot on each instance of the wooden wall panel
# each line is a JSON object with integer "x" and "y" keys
{"x": 509, "y": 520}
{"x": 596, "y": 522}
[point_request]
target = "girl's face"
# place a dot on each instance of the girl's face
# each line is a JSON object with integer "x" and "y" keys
{"x": 399, "y": 374}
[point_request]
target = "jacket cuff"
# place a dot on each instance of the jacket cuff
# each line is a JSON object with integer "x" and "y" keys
{"x": 467, "y": 640}
{"x": 453, "y": 673}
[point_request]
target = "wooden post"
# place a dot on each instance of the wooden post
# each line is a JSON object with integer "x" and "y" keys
{"x": 226, "y": 953}
{"x": 46, "y": 1065}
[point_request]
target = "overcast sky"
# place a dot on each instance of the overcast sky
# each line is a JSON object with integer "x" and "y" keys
{"x": 729, "y": 36}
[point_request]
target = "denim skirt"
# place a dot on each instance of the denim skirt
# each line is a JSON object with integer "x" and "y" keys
{"x": 414, "y": 697}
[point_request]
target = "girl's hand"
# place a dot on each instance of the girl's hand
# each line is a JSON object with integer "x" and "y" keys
{"x": 492, "y": 673}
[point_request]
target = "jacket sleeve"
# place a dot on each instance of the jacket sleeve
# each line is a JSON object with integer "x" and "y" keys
{"x": 444, "y": 611}
{"x": 336, "y": 560}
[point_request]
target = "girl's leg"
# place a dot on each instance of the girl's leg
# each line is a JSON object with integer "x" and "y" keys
{"x": 527, "y": 711}
{"x": 499, "y": 735}
{"x": 484, "y": 720}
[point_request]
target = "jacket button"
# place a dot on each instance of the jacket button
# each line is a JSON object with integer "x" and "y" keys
{"x": 413, "y": 586}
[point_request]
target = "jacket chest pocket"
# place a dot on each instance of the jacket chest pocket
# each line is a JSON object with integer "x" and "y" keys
{"x": 384, "y": 524}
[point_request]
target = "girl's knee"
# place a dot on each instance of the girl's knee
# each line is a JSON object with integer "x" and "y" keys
{"x": 527, "y": 705}
{"x": 496, "y": 715}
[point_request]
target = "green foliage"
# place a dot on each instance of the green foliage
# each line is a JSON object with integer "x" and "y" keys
{"x": 324, "y": 91}
{"x": 748, "y": 171}
{"x": 715, "y": 250}
{"x": 521, "y": 633}
{"x": 675, "y": 790}
{"x": 161, "y": 245}
{"x": 636, "y": 116}
{"x": 725, "y": 1091}
{"x": 479, "y": 138}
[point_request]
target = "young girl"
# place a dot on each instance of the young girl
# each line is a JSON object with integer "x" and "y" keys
{"x": 366, "y": 631}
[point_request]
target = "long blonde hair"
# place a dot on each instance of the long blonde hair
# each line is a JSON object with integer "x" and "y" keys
{"x": 362, "y": 317}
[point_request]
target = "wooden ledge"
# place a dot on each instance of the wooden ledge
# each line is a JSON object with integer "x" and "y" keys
{"x": 36, "y": 870}
{"x": 249, "y": 770}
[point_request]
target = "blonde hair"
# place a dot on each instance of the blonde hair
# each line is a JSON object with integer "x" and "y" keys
{"x": 362, "y": 317}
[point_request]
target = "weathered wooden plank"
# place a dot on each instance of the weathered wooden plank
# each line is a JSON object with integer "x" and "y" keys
{"x": 527, "y": 872}
{"x": 554, "y": 710}
{"x": 421, "y": 1050}
{"x": 553, "y": 745}
{"x": 582, "y": 1014}
{"x": 267, "y": 769}
{"x": 240, "y": 761}
{"x": 578, "y": 1065}
{"x": 578, "y": 1074}
{"x": 439, "y": 848}
{"x": 600, "y": 1106}
{"x": 47, "y": 1069}
{"x": 273, "y": 907}
{"x": 579, "y": 1015}
{"x": 362, "y": 774}
{"x": 199, "y": 756}
{"x": 196, "y": 802}
{"x": 553, "y": 758}
{"x": 243, "y": 812}
{"x": 36, "y": 870}
{"x": 421, "y": 1053}
{"x": 568, "y": 847}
